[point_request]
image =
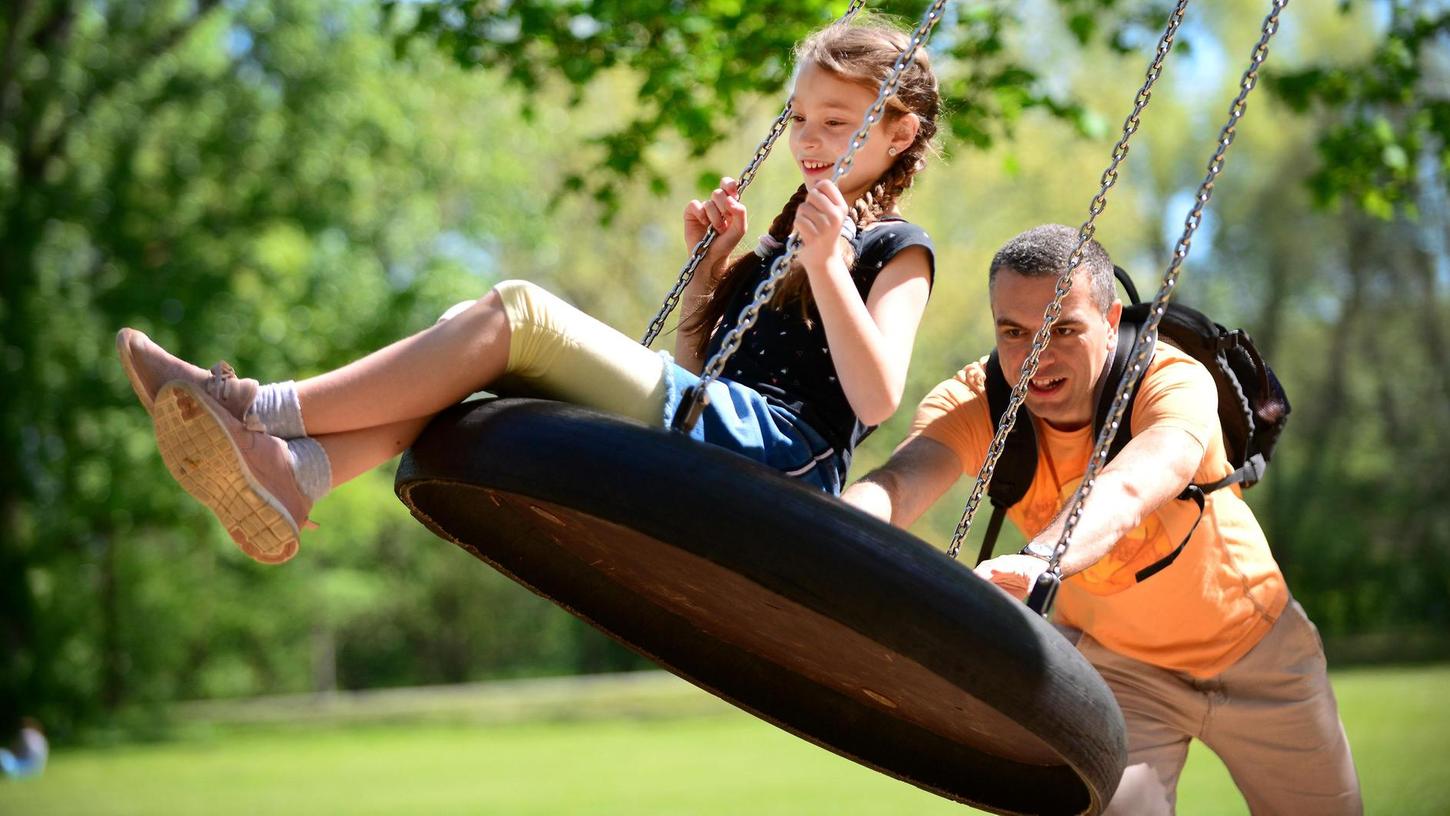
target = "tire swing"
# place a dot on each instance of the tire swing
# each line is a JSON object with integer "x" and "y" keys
{"x": 791, "y": 605}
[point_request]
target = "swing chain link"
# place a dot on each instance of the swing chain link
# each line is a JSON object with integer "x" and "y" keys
{"x": 1064, "y": 284}
{"x": 1143, "y": 348}
{"x": 778, "y": 270}
{"x": 762, "y": 151}
{"x": 687, "y": 272}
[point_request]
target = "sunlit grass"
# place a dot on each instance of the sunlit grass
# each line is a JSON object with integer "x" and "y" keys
{"x": 704, "y": 763}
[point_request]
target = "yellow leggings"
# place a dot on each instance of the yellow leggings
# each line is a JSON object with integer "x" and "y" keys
{"x": 560, "y": 352}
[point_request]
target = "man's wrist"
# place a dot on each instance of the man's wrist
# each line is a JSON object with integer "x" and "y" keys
{"x": 1038, "y": 549}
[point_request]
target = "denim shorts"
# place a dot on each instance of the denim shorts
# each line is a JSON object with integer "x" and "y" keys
{"x": 740, "y": 419}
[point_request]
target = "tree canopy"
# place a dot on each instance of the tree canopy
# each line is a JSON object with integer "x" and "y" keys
{"x": 698, "y": 63}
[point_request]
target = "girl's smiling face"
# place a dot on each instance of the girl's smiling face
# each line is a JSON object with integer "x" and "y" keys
{"x": 825, "y": 112}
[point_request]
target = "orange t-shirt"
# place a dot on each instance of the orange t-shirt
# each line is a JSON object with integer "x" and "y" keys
{"x": 1205, "y": 610}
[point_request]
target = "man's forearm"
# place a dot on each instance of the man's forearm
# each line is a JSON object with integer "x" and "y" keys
{"x": 1107, "y": 516}
{"x": 871, "y": 497}
{"x": 1153, "y": 469}
{"x": 898, "y": 492}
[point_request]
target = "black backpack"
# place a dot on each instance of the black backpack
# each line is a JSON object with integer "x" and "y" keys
{"x": 1252, "y": 409}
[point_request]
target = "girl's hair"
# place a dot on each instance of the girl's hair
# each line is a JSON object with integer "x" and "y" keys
{"x": 863, "y": 51}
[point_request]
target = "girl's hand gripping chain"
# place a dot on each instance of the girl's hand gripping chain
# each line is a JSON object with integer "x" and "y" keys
{"x": 818, "y": 222}
{"x": 723, "y": 211}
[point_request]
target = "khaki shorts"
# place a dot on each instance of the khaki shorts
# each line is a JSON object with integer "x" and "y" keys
{"x": 1271, "y": 717}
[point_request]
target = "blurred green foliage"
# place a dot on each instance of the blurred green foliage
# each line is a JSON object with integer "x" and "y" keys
{"x": 268, "y": 183}
{"x": 1384, "y": 114}
{"x": 696, "y": 63}
{"x": 288, "y": 184}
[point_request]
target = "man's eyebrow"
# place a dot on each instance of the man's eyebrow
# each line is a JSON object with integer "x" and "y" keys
{"x": 1007, "y": 322}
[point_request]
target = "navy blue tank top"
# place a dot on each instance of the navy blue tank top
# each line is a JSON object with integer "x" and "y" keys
{"x": 786, "y": 358}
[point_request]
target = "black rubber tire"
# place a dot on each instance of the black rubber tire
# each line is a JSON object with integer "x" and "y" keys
{"x": 843, "y": 630}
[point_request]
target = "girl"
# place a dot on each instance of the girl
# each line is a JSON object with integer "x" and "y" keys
{"x": 824, "y": 363}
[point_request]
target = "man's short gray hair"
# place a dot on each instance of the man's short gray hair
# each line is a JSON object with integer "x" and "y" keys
{"x": 1044, "y": 251}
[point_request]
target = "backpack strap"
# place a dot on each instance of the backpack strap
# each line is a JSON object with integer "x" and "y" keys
{"x": 1128, "y": 329}
{"x": 1127, "y": 284}
{"x": 1018, "y": 463}
{"x": 1130, "y": 325}
{"x": 1249, "y": 472}
{"x": 1196, "y": 494}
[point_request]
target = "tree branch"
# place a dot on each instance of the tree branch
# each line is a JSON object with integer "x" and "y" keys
{"x": 42, "y": 152}
{"x": 19, "y": 10}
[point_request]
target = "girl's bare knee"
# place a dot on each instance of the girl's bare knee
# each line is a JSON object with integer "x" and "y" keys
{"x": 491, "y": 301}
{"x": 455, "y": 310}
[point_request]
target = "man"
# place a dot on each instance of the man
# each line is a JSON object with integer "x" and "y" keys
{"x": 1208, "y": 646}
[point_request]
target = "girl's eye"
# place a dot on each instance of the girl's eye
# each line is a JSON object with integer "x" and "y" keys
{"x": 834, "y": 123}
{"x": 796, "y": 118}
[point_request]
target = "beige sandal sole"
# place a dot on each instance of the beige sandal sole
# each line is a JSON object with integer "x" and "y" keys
{"x": 128, "y": 364}
{"x": 204, "y": 459}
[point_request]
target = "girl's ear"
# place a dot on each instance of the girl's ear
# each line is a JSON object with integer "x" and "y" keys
{"x": 903, "y": 132}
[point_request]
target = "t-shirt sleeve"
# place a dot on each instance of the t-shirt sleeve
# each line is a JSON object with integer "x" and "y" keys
{"x": 885, "y": 241}
{"x": 1178, "y": 392}
{"x": 955, "y": 414}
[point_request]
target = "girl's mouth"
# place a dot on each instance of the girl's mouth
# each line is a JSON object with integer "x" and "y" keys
{"x": 812, "y": 167}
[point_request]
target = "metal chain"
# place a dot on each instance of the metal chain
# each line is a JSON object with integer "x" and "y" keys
{"x": 1143, "y": 348}
{"x": 1064, "y": 284}
{"x": 766, "y": 288}
{"x": 687, "y": 272}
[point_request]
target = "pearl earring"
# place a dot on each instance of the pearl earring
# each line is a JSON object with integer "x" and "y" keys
{"x": 891, "y": 151}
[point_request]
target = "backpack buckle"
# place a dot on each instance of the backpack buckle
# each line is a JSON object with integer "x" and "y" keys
{"x": 1044, "y": 591}
{"x": 1231, "y": 339}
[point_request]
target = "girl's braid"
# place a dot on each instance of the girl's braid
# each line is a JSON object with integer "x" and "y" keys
{"x": 780, "y": 227}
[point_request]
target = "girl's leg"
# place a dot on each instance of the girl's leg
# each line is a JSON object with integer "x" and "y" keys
{"x": 552, "y": 348}
{"x": 353, "y": 453}
{"x": 518, "y": 329}
{"x": 262, "y": 487}
{"x": 557, "y": 351}
{"x": 413, "y": 378}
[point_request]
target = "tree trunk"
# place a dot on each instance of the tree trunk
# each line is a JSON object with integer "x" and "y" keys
{"x": 1292, "y": 512}
{"x": 113, "y": 654}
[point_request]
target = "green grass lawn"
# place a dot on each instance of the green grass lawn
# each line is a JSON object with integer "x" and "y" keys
{"x": 713, "y": 761}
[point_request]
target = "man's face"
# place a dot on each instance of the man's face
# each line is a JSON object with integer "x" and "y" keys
{"x": 1061, "y": 393}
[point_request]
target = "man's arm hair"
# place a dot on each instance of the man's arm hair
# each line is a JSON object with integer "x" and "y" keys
{"x": 1153, "y": 468}
{"x": 915, "y": 476}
